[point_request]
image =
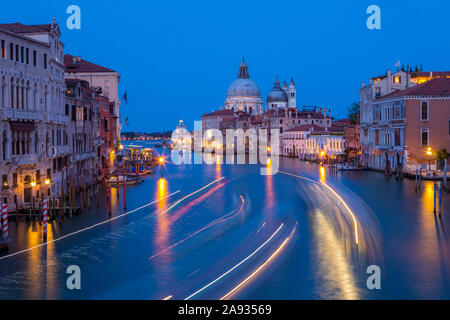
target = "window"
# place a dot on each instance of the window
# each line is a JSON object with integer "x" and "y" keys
{"x": 5, "y": 182}
{"x": 49, "y": 174}
{"x": 3, "y": 50}
{"x": 14, "y": 180}
{"x": 378, "y": 91}
{"x": 74, "y": 113}
{"x": 67, "y": 110}
{"x": 45, "y": 61}
{"x": 34, "y": 58}
{"x": 397, "y": 79}
{"x": 28, "y": 55}
{"x": 424, "y": 111}
{"x": 397, "y": 136}
{"x": 22, "y": 54}
{"x": 377, "y": 137}
{"x": 424, "y": 138}
{"x": 17, "y": 52}
{"x": 11, "y": 51}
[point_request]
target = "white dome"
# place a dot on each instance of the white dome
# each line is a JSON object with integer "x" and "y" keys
{"x": 243, "y": 88}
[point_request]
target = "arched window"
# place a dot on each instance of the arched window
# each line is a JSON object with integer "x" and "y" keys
{"x": 2, "y": 93}
{"x": 424, "y": 111}
{"x": 424, "y": 138}
{"x": 4, "y": 144}
{"x": 12, "y": 93}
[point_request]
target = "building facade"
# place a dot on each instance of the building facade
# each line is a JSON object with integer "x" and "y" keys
{"x": 34, "y": 121}
{"x": 391, "y": 136}
{"x": 98, "y": 77}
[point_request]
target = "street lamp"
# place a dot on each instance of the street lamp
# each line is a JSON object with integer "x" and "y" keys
{"x": 429, "y": 154}
{"x": 322, "y": 155}
{"x": 161, "y": 162}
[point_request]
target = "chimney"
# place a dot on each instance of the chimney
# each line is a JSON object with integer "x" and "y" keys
{"x": 79, "y": 58}
{"x": 324, "y": 112}
{"x": 431, "y": 75}
{"x": 363, "y": 84}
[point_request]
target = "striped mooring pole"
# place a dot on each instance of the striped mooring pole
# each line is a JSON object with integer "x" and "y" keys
{"x": 5, "y": 221}
{"x": 44, "y": 217}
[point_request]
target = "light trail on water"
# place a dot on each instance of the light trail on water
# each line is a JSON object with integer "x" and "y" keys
{"x": 87, "y": 228}
{"x": 191, "y": 194}
{"x": 237, "y": 265}
{"x": 224, "y": 218}
{"x": 254, "y": 273}
{"x": 322, "y": 183}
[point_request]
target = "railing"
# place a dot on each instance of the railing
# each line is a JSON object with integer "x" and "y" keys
{"x": 22, "y": 114}
{"x": 25, "y": 159}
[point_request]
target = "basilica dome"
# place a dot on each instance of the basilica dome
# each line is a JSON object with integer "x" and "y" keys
{"x": 243, "y": 94}
{"x": 243, "y": 88}
{"x": 277, "y": 94}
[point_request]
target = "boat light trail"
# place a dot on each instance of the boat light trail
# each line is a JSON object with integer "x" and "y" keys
{"x": 224, "y": 218}
{"x": 168, "y": 297}
{"x": 355, "y": 224}
{"x": 191, "y": 194}
{"x": 261, "y": 266}
{"x": 87, "y": 228}
{"x": 236, "y": 266}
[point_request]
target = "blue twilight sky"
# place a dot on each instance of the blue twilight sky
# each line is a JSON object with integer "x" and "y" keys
{"x": 177, "y": 58}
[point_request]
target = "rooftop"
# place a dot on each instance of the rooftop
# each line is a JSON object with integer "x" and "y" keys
{"x": 434, "y": 87}
{"x": 22, "y": 28}
{"x": 77, "y": 65}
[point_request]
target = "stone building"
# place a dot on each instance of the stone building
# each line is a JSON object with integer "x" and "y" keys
{"x": 34, "y": 122}
{"x": 98, "y": 77}
{"x": 85, "y": 138}
{"x": 384, "y": 118}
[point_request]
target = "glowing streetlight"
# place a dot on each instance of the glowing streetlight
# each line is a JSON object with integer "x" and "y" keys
{"x": 429, "y": 154}
{"x": 47, "y": 181}
{"x": 33, "y": 183}
{"x": 161, "y": 162}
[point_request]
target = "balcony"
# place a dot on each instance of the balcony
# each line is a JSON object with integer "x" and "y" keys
{"x": 84, "y": 156}
{"x": 58, "y": 118}
{"x": 25, "y": 159}
{"x": 21, "y": 114}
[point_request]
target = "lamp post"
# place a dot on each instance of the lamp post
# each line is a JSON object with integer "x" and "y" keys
{"x": 161, "y": 162}
{"x": 429, "y": 153}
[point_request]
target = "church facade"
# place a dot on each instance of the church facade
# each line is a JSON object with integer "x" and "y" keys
{"x": 244, "y": 95}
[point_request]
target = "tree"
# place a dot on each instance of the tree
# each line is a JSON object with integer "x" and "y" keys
{"x": 353, "y": 113}
{"x": 442, "y": 154}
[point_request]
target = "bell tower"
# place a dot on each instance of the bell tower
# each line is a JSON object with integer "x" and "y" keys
{"x": 292, "y": 95}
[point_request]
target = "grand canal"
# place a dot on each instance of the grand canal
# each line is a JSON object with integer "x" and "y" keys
{"x": 225, "y": 231}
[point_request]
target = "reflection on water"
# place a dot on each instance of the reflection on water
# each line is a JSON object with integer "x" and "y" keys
{"x": 161, "y": 236}
{"x": 322, "y": 174}
{"x": 34, "y": 237}
{"x": 432, "y": 248}
{"x": 334, "y": 270}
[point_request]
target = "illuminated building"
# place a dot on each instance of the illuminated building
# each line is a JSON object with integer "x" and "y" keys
{"x": 34, "y": 121}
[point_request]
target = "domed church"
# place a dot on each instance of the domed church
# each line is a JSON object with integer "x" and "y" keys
{"x": 244, "y": 95}
{"x": 282, "y": 97}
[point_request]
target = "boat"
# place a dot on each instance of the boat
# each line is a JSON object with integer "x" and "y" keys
{"x": 129, "y": 180}
{"x": 347, "y": 167}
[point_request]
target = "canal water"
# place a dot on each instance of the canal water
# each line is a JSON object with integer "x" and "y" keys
{"x": 226, "y": 231}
